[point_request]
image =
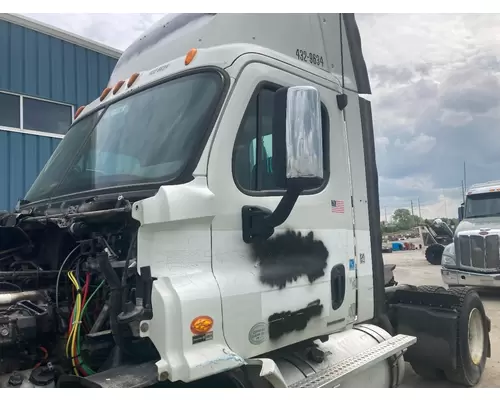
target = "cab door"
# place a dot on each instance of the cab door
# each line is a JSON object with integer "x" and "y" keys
{"x": 298, "y": 283}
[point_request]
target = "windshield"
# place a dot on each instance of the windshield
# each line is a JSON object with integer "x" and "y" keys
{"x": 148, "y": 137}
{"x": 482, "y": 205}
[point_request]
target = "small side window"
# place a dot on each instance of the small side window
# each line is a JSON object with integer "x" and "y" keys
{"x": 45, "y": 116}
{"x": 253, "y": 149}
{"x": 10, "y": 111}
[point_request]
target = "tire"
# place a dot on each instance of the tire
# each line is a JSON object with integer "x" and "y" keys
{"x": 434, "y": 253}
{"x": 431, "y": 289}
{"x": 471, "y": 353}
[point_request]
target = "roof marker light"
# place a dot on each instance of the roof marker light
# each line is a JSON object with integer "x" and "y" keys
{"x": 190, "y": 56}
{"x": 104, "y": 93}
{"x": 117, "y": 87}
{"x": 79, "y": 111}
{"x": 132, "y": 79}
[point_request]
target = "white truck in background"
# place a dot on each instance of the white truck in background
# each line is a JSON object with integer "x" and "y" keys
{"x": 473, "y": 259}
{"x": 213, "y": 220}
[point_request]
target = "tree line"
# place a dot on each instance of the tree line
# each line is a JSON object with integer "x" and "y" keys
{"x": 403, "y": 220}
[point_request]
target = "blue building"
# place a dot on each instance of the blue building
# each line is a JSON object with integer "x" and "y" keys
{"x": 45, "y": 75}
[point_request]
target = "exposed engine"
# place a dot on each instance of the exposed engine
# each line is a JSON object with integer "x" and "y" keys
{"x": 71, "y": 295}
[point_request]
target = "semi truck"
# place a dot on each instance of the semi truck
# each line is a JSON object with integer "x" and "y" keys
{"x": 473, "y": 259}
{"x": 212, "y": 220}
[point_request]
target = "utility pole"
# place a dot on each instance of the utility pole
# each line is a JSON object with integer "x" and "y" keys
{"x": 445, "y": 206}
{"x": 385, "y": 209}
{"x": 411, "y": 204}
{"x": 419, "y": 211}
{"x": 465, "y": 178}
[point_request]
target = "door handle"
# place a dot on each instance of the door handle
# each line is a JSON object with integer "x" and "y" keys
{"x": 337, "y": 285}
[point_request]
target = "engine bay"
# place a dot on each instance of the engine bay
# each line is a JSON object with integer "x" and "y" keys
{"x": 71, "y": 295}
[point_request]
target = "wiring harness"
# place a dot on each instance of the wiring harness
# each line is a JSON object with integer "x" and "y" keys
{"x": 79, "y": 317}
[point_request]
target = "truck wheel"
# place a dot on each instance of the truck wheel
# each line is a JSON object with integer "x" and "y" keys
{"x": 434, "y": 253}
{"x": 473, "y": 344}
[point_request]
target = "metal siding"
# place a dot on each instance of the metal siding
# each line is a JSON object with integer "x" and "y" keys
{"x": 56, "y": 69}
{"x": 43, "y": 73}
{"x": 35, "y": 64}
{"x": 30, "y": 63}
{"x": 16, "y": 58}
{"x": 4, "y": 50}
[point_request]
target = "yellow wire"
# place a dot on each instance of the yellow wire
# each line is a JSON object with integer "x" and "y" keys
{"x": 70, "y": 344}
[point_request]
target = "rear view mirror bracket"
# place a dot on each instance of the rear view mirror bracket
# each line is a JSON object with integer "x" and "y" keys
{"x": 258, "y": 223}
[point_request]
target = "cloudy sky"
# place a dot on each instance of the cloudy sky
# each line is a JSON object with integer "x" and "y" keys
{"x": 436, "y": 97}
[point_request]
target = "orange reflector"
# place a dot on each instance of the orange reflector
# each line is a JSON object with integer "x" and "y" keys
{"x": 104, "y": 93}
{"x": 79, "y": 111}
{"x": 132, "y": 79}
{"x": 202, "y": 324}
{"x": 117, "y": 87}
{"x": 189, "y": 56}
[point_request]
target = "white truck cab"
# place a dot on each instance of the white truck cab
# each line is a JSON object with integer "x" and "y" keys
{"x": 473, "y": 259}
{"x": 222, "y": 192}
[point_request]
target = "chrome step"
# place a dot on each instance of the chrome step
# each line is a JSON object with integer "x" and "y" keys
{"x": 331, "y": 376}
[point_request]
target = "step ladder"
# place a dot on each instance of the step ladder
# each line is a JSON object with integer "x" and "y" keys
{"x": 331, "y": 376}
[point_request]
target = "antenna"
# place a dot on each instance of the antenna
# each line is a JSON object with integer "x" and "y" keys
{"x": 465, "y": 177}
{"x": 341, "y": 50}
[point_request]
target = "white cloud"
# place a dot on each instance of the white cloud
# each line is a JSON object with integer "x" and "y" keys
{"x": 114, "y": 30}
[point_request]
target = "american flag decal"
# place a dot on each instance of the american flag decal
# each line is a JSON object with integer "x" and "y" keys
{"x": 338, "y": 206}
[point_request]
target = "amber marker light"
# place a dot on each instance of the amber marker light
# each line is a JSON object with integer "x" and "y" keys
{"x": 132, "y": 79}
{"x": 202, "y": 324}
{"x": 79, "y": 111}
{"x": 190, "y": 56}
{"x": 104, "y": 93}
{"x": 117, "y": 87}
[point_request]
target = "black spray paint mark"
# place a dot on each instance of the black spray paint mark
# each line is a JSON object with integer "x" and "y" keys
{"x": 287, "y": 256}
{"x": 288, "y": 321}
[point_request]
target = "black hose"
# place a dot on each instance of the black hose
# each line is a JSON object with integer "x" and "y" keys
{"x": 125, "y": 270}
{"x": 115, "y": 305}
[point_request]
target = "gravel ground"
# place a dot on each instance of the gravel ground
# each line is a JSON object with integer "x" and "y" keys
{"x": 412, "y": 268}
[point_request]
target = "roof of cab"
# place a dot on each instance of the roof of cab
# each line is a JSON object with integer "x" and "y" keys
{"x": 485, "y": 187}
{"x": 332, "y": 42}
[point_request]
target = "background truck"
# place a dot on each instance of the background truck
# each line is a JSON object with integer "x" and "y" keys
{"x": 435, "y": 237}
{"x": 473, "y": 259}
{"x": 212, "y": 219}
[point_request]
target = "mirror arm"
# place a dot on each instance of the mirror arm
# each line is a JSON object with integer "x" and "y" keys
{"x": 259, "y": 222}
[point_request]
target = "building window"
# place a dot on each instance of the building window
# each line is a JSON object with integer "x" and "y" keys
{"x": 10, "y": 111}
{"x": 37, "y": 116}
{"x": 253, "y": 150}
{"x": 44, "y": 116}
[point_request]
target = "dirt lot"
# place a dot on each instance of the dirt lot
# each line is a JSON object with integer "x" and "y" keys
{"x": 412, "y": 268}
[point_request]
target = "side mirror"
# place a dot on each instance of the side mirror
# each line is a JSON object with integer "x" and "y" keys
{"x": 461, "y": 210}
{"x": 297, "y": 158}
{"x": 298, "y": 138}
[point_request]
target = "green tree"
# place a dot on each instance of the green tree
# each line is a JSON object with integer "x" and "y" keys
{"x": 402, "y": 218}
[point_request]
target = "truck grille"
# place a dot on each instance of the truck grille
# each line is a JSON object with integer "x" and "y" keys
{"x": 480, "y": 252}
